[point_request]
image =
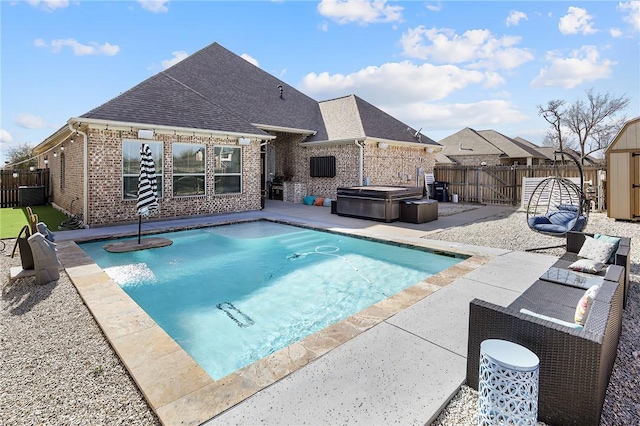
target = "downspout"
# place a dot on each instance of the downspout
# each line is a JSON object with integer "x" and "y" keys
{"x": 85, "y": 174}
{"x": 361, "y": 170}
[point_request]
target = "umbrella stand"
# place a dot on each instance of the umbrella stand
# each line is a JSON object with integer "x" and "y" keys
{"x": 139, "y": 227}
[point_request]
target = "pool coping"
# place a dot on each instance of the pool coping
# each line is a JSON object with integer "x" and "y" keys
{"x": 176, "y": 388}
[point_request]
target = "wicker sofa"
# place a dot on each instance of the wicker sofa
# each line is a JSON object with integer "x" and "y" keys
{"x": 575, "y": 364}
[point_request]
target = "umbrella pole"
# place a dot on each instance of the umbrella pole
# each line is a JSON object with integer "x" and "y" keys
{"x": 139, "y": 227}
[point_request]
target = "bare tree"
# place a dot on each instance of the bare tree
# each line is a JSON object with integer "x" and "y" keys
{"x": 553, "y": 112}
{"x": 593, "y": 122}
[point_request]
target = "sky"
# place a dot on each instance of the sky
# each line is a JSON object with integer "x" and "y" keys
{"x": 439, "y": 66}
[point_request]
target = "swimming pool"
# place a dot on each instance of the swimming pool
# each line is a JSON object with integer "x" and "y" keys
{"x": 233, "y": 294}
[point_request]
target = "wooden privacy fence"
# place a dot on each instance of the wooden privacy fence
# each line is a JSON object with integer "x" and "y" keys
{"x": 501, "y": 184}
{"x": 12, "y": 180}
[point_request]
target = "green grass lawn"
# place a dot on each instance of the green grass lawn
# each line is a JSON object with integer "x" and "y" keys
{"x": 13, "y": 219}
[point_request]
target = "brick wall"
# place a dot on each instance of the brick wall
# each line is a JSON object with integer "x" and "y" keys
{"x": 106, "y": 205}
{"x": 476, "y": 160}
{"x": 383, "y": 167}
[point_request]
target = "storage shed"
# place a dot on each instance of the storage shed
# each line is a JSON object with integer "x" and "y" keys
{"x": 623, "y": 173}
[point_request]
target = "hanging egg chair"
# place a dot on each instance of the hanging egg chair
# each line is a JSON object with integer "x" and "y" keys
{"x": 558, "y": 205}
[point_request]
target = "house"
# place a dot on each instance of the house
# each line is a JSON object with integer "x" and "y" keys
{"x": 623, "y": 173}
{"x": 223, "y": 132}
{"x": 514, "y": 152}
{"x": 487, "y": 147}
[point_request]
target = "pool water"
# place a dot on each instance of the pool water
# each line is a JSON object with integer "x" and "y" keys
{"x": 231, "y": 295}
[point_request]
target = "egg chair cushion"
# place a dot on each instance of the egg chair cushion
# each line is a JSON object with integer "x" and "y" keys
{"x": 556, "y": 222}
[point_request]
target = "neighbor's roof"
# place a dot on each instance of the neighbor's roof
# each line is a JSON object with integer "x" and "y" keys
{"x": 467, "y": 142}
{"x": 510, "y": 147}
{"x": 351, "y": 117}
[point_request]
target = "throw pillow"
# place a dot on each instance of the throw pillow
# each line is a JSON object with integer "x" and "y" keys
{"x": 309, "y": 199}
{"x": 587, "y": 265}
{"x": 318, "y": 201}
{"x": 613, "y": 240}
{"x": 584, "y": 305}
{"x": 327, "y": 202}
{"x": 596, "y": 250}
{"x": 554, "y": 320}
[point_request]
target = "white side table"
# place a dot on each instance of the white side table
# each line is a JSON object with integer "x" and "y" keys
{"x": 508, "y": 384}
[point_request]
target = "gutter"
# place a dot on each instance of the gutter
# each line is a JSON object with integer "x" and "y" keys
{"x": 159, "y": 128}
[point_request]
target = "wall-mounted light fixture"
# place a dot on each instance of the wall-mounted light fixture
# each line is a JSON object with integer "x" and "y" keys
{"x": 244, "y": 141}
{"x": 62, "y": 147}
{"x": 383, "y": 145}
{"x": 55, "y": 154}
{"x": 145, "y": 134}
{"x": 46, "y": 161}
{"x": 429, "y": 150}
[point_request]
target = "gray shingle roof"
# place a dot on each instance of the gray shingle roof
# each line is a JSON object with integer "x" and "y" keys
{"x": 353, "y": 117}
{"x": 162, "y": 100}
{"x": 467, "y": 142}
{"x": 379, "y": 124}
{"x": 510, "y": 147}
{"x": 216, "y": 89}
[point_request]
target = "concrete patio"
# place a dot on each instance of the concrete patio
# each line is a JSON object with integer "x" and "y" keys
{"x": 405, "y": 368}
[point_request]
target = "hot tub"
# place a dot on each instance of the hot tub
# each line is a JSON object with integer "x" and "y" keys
{"x": 375, "y": 202}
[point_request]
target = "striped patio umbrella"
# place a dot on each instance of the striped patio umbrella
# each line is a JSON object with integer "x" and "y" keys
{"x": 147, "y": 186}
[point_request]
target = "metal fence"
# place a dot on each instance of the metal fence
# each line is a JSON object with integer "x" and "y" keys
{"x": 502, "y": 184}
{"x": 12, "y": 180}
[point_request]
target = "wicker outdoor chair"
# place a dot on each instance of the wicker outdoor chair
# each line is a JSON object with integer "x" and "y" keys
{"x": 575, "y": 364}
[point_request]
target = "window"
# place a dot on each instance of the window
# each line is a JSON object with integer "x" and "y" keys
{"x": 227, "y": 169}
{"x": 131, "y": 167}
{"x": 188, "y": 169}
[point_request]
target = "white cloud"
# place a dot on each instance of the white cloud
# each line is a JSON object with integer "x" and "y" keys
{"x": 5, "y": 137}
{"x": 250, "y": 59}
{"x": 615, "y": 32}
{"x": 49, "y": 5}
{"x": 633, "y": 16}
{"x": 584, "y": 65}
{"x": 577, "y": 20}
{"x": 493, "y": 79}
{"x": 323, "y": 26}
{"x": 177, "y": 57}
{"x": 479, "y": 48}
{"x": 514, "y": 18}
{"x": 435, "y": 7}
{"x": 78, "y": 48}
{"x": 439, "y": 117}
{"x": 155, "y": 6}
{"x": 392, "y": 84}
{"x": 29, "y": 121}
{"x": 360, "y": 11}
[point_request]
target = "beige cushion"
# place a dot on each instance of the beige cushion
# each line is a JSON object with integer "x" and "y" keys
{"x": 584, "y": 305}
{"x": 597, "y": 250}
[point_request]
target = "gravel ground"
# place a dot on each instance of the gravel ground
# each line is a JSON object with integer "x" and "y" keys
{"x": 57, "y": 367}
